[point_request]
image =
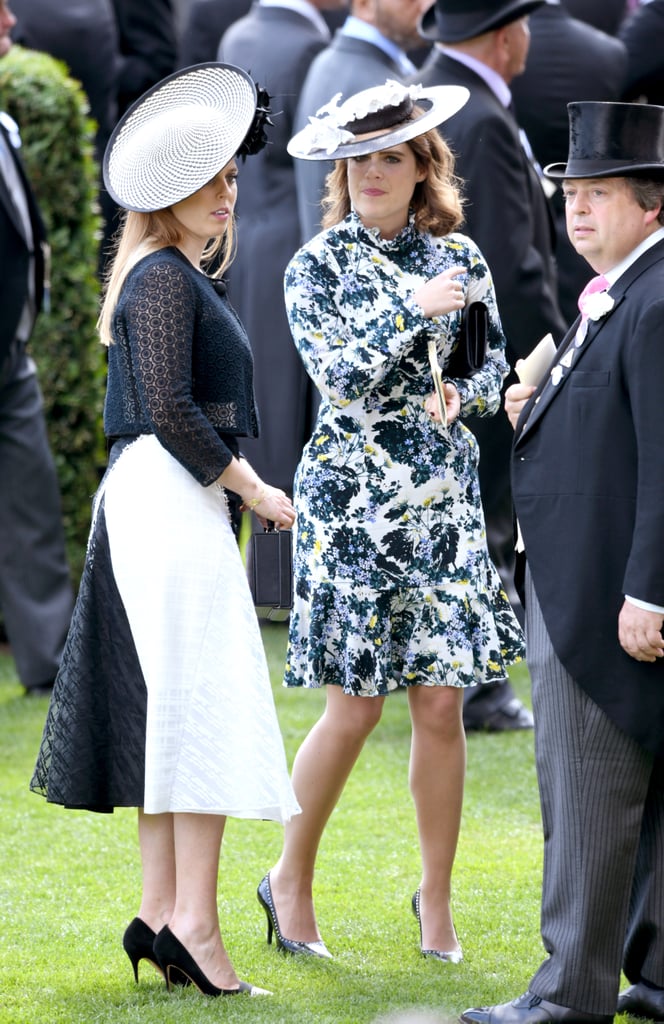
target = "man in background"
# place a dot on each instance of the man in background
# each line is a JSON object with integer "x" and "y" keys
{"x": 36, "y": 598}
{"x": 371, "y": 46}
{"x": 484, "y": 46}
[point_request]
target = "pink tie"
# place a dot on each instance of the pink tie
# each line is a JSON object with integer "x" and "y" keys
{"x": 595, "y": 284}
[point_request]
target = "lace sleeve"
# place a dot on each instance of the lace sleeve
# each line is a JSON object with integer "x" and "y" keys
{"x": 159, "y": 322}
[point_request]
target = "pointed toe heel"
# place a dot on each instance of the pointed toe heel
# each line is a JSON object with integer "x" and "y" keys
{"x": 318, "y": 948}
{"x": 453, "y": 956}
{"x": 137, "y": 943}
{"x": 177, "y": 964}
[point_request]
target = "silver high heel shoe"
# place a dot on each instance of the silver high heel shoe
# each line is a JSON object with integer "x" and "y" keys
{"x": 317, "y": 948}
{"x": 454, "y": 956}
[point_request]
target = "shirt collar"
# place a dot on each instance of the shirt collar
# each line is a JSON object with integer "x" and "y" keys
{"x": 647, "y": 243}
{"x": 359, "y": 29}
{"x": 304, "y": 8}
{"x": 497, "y": 84}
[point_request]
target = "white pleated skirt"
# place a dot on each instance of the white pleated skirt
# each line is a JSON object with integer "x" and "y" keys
{"x": 212, "y": 742}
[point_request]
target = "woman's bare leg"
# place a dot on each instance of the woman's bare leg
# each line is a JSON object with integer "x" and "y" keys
{"x": 155, "y": 836}
{"x": 320, "y": 771}
{"x": 437, "y": 770}
{"x": 195, "y": 919}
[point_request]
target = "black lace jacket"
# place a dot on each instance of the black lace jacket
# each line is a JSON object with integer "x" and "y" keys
{"x": 180, "y": 366}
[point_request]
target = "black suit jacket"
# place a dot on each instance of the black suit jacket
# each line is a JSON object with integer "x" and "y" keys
{"x": 148, "y": 47}
{"x": 207, "y": 20}
{"x": 588, "y": 488}
{"x": 85, "y": 36}
{"x": 276, "y": 46}
{"x": 506, "y": 210}
{"x": 15, "y": 256}
{"x": 568, "y": 60}
{"x": 643, "y": 35}
{"x": 606, "y": 15}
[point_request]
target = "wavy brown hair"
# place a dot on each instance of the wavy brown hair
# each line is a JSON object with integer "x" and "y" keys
{"x": 143, "y": 233}
{"x": 437, "y": 200}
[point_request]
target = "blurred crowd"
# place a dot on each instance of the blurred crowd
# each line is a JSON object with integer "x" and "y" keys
{"x": 577, "y": 50}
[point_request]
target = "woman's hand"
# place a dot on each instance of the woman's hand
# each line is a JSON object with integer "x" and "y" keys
{"x": 270, "y": 504}
{"x": 516, "y": 397}
{"x": 452, "y": 404}
{"x": 441, "y": 294}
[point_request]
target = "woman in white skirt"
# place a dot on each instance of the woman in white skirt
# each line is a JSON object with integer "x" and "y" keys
{"x": 163, "y": 699}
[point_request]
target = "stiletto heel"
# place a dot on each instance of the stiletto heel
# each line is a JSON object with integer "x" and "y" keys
{"x": 177, "y": 962}
{"x": 318, "y": 948}
{"x": 137, "y": 943}
{"x": 454, "y": 956}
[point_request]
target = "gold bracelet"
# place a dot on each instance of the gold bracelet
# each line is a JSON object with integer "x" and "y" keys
{"x": 251, "y": 505}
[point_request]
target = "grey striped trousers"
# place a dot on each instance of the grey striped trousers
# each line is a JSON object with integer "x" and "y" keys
{"x": 602, "y": 800}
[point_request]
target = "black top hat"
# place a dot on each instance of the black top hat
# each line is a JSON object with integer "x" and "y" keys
{"x": 608, "y": 140}
{"x": 452, "y": 21}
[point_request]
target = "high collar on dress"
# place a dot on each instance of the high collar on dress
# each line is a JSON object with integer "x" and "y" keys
{"x": 401, "y": 242}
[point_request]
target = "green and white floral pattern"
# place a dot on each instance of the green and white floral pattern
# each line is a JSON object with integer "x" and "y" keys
{"x": 393, "y": 583}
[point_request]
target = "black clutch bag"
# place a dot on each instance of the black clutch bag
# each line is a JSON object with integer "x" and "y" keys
{"x": 469, "y": 355}
{"x": 269, "y": 559}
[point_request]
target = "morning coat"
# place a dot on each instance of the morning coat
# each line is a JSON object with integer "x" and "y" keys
{"x": 588, "y": 488}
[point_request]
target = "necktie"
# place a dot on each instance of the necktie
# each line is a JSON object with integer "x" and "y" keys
{"x": 596, "y": 284}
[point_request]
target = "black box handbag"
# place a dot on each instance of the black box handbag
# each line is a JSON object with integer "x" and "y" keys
{"x": 469, "y": 355}
{"x": 269, "y": 558}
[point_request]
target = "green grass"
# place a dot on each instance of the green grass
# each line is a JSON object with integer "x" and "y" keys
{"x": 70, "y": 883}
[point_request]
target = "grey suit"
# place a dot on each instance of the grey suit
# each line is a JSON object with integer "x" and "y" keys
{"x": 346, "y": 66}
{"x": 276, "y": 45}
{"x": 35, "y": 592}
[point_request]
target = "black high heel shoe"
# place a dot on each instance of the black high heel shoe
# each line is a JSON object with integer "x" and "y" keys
{"x": 137, "y": 943}
{"x": 317, "y": 948}
{"x": 454, "y": 956}
{"x": 176, "y": 962}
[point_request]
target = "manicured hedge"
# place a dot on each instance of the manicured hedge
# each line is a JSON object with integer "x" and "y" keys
{"x": 57, "y": 134}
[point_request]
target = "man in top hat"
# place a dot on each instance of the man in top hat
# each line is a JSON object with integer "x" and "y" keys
{"x": 483, "y": 45}
{"x": 588, "y": 486}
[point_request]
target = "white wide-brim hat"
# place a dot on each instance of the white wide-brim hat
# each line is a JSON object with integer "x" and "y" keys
{"x": 178, "y": 135}
{"x": 394, "y": 112}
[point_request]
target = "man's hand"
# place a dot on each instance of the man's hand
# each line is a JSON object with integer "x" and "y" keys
{"x": 516, "y": 397}
{"x": 640, "y": 632}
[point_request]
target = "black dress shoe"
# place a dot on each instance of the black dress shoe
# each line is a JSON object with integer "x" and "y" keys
{"x": 508, "y": 717}
{"x": 44, "y": 690}
{"x": 642, "y": 1001}
{"x": 531, "y": 1009}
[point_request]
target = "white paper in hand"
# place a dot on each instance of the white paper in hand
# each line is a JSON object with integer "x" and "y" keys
{"x": 437, "y": 381}
{"x": 531, "y": 369}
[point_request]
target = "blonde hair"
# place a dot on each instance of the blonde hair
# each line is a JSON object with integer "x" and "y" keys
{"x": 437, "y": 200}
{"x": 142, "y": 234}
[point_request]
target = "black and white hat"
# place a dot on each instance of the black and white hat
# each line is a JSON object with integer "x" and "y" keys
{"x": 181, "y": 132}
{"x": 394, "y": 112}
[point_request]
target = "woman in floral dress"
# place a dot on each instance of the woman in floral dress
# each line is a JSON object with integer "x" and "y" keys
{"x": 394, "y": 586}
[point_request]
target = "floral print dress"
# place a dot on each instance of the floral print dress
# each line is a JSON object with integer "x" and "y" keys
{"x": 393, "y": 582}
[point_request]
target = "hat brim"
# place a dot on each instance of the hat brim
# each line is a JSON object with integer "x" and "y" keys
{"x": 439, "y": 103}
{"x": 459, "y": 27}
{"x": 604, "y": 169}
{"x": 178, "y": 135}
